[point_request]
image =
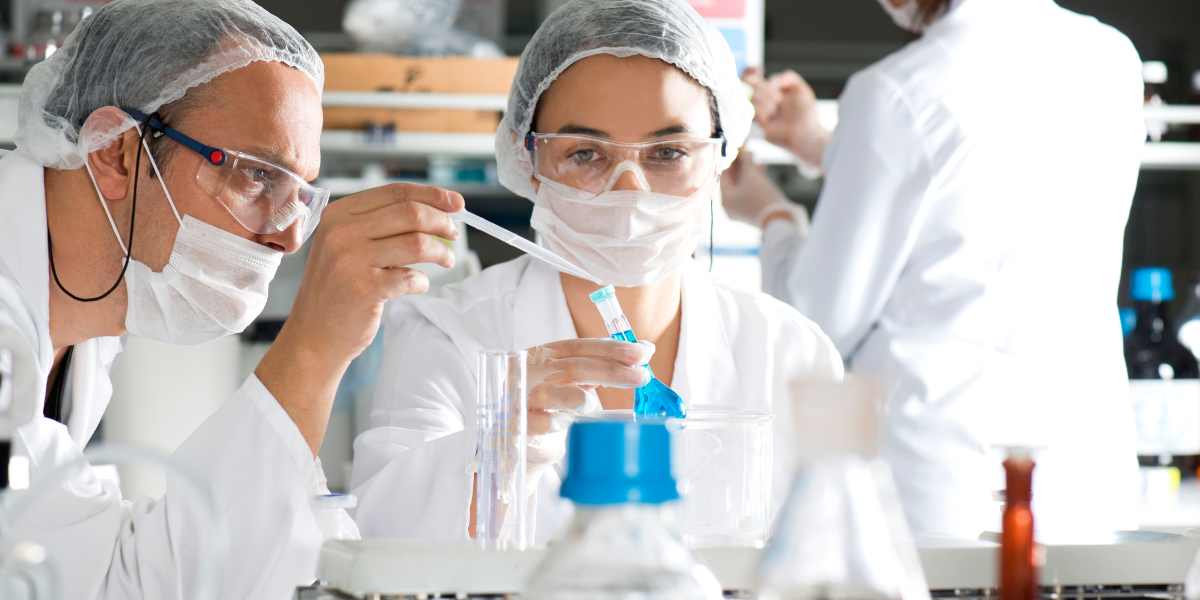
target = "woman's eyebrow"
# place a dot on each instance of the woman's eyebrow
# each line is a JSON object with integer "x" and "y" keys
{"x": 573, "y": 129}
{"x": 672, "y": 130}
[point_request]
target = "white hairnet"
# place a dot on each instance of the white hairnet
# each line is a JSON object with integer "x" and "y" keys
{"x": 142, "y": 54}
{"x": 669, "y": 30}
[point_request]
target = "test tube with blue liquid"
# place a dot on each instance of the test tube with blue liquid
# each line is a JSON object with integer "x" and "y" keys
{"x": 654, "y": 399}
{"x": 500, "y": 483}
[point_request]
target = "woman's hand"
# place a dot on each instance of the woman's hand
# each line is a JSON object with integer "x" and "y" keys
{"x": 562, "y": 378}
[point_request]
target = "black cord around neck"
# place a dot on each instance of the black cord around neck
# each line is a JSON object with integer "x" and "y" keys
{"x": 129, "y": 249}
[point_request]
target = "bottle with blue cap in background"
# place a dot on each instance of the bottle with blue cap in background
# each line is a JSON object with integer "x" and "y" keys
{"x": 618, "y": 546}
{"x": 1163, "y": 386}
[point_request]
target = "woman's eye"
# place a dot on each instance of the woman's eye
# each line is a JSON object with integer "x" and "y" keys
{"x": 668, "y": 154}
{"x": 583, "y": 155}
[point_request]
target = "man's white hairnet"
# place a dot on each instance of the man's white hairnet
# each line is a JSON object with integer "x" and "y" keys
{"x": 142, "y": 54}
{"x": 669, "y": 30}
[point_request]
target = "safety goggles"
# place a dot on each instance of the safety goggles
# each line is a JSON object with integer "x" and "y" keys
{"x": 262, "y": 196}
{"x": 679, "y": 167}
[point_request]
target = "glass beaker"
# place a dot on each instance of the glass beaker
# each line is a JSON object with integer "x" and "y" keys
{"x": 500, "y": 481}
{"x": 722, "y": 460}
{"x": 723, "y": 463}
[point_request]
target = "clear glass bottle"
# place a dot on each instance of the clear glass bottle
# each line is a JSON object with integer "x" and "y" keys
{"x": 1164, "y": 379}
{"x": 841, "y": 533}
{"x": 618, "y": 547}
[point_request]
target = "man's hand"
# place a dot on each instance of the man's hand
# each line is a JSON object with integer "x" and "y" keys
{"x": 786, "y": 108}
{"x": 358, "y": 261}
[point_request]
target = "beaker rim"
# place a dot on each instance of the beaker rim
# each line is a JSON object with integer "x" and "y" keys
{"x": 710, "y": 415}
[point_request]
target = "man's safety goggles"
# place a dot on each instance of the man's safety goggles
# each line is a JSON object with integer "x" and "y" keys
{"x": 679, "y": 167}
{"x": 262, "y": 196}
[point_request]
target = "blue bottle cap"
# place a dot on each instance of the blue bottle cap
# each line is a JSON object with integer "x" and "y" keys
{"x": 603, "y": 293}
{"x": 1151, "y": 284}
{"x": 613, "y": 461}
{"x": 1128, "y": 320}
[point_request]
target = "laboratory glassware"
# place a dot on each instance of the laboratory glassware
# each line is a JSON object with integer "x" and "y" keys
{"x": 723, "y": 460}
{"x": 500, "y": 484}
{"x": 522, "y": 244}
{"x": 330, "y": 511}
{"x": 1163, "y": 382}
{"x": 1018, "y": 553}
{"x": 841, "y": 533}
{"x": 654, "y": 399}
{"x": 618, "y": 546}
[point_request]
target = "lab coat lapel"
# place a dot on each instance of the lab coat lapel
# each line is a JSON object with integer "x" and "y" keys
{"x": 705, "y": 370}
{"x": 540, "y": 312}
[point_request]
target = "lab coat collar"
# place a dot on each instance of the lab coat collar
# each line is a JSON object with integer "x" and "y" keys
{"x": 24, "y": 252}
{"x": 704, "y": 366}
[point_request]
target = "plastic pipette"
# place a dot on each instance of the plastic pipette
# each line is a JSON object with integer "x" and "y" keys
{"x": 522, "y": 244}
{"x": 654, "y": 399}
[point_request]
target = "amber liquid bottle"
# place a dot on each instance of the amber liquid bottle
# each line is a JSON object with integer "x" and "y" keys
{"x": 1018, "y": 568}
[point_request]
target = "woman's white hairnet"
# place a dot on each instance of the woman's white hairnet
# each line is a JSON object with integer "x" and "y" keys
{"x": 143, "y": 54}
{"x": 669, "y": 30}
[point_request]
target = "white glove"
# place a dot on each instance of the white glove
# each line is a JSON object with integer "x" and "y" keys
{"x": 749, "y": 196}
{"x": 562, "y": 378}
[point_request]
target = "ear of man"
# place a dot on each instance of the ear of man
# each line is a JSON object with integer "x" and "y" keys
{"x": 113, "y": 166}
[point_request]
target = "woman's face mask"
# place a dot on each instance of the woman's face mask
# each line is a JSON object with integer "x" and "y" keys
{"x": 628, "y": 238}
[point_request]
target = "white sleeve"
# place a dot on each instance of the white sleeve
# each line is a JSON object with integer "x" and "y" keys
{"x": 259, "y": 471}
{"x": 865, "y": 222}
{"x": 412, "y": 471}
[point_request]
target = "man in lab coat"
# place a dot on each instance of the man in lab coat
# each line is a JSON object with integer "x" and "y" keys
{"x": 967, "y": 247}
{"x": 163, "y": 167}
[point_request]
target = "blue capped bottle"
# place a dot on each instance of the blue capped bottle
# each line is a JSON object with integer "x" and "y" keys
{"x": 1163, "y": 378}
{"x": 619, "y": 478}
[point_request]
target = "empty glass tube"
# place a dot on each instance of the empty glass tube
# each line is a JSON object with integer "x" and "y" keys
{"x": 500, "y": 483}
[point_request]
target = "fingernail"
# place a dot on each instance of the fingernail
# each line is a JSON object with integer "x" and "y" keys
{"x": 645, "y": 377}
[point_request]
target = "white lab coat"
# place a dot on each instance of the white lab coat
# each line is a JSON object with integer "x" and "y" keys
{"x": 413, "y": 468}
{"x": 967, "y": 246}
{"x": 257, "y": 466}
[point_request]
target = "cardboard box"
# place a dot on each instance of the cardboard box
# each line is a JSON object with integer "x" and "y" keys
{"x": 388, "y": 73}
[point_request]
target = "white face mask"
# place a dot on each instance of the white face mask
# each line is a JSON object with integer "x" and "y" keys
{"x": 906, "y": 16}
{"x": 214, "y": 284}
{"x": 626, "y": 238}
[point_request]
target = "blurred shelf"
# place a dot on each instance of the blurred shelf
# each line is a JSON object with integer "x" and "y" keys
{"x": 1183, "y": 156}
{"x": 345, "y": 186}
{"x": 1172, "y": 113}
{"x": 407, "y": 144}
{"x": 415, "y": 100}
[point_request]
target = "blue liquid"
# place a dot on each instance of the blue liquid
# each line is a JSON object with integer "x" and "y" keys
{"x": 654, "y": 399}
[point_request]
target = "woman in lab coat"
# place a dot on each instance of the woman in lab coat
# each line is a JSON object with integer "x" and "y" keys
{"x": 967, "y": 247}
{"x": 597, "y": 80}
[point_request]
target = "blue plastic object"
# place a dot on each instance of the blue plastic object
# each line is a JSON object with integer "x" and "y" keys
{"x": 1128, "y": 321}
{"x": 1152, "y": 284}
{"x": 654, "y": 399}
{"x": 612, "y": 461}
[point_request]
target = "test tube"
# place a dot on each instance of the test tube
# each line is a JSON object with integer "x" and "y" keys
{"x": 614, "y": 318}
{"x": 500, "y": 484}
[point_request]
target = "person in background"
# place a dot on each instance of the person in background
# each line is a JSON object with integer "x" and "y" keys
{"x": 634, "y": 109}
{"x": 164, "y": 164}
{"x": 966, "y": 247}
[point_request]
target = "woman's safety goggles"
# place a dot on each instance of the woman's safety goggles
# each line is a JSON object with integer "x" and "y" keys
{"x": 679, "y": 167}
{"x": 262, "y": 196}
